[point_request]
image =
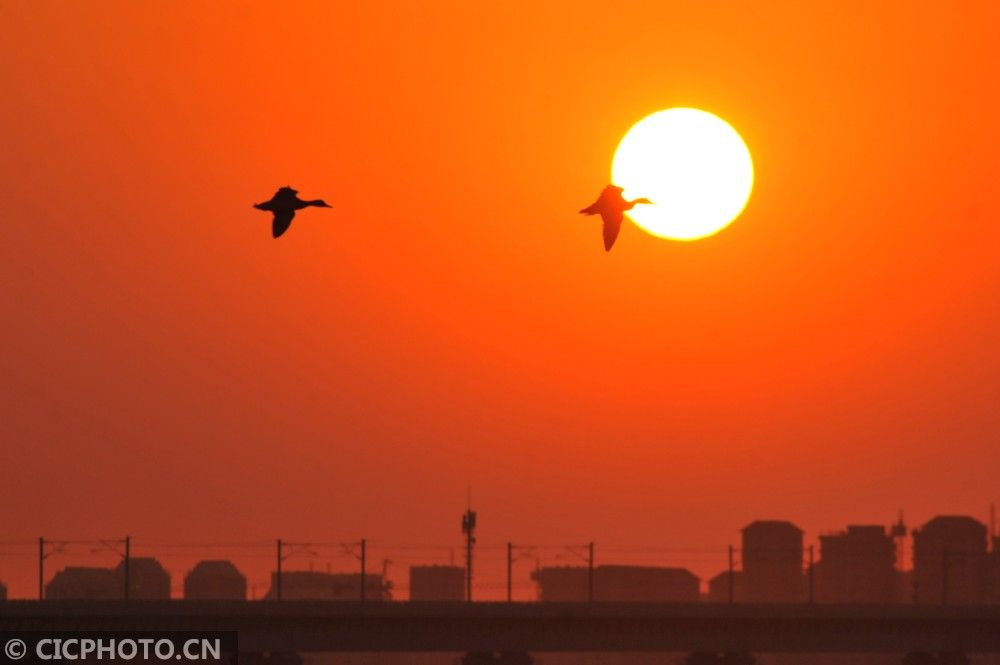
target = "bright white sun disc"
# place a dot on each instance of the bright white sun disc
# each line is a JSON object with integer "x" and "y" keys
{"x": 694, "y": 167}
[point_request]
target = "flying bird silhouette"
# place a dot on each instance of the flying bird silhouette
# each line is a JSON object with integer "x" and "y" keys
{"x": 283, "y": 205}
{"x": 611, "y": 206}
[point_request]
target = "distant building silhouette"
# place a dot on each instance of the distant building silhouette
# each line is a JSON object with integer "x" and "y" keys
{"x": 84, "y": 583}
{"x": 646, "y": 583}
{"x": 562, "y": 583}
{"x": 3, "y": 591}
{"x": 856, "y": 566}
{"x": 441, "y": 583}
{"x": 950, "y": 561}
{"x": 215, "y": 580}
{"x": 772, "y": 563}
{"x": 148, "y": 579}
{"x": 617, "y": 583}
{"x": 718, "y": 587}
{"x": 309, "y": 585}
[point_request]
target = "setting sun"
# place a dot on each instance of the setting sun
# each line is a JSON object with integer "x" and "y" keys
{"x": 692, "y": 164}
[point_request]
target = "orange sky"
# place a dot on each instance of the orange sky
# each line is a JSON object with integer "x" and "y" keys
{"x": 171, "y": 372}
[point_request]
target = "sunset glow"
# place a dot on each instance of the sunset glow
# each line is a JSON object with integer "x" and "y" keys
{"x": 804, "y": 328}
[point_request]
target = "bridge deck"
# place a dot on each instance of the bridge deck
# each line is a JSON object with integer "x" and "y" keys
{"x": 414, "y": 627}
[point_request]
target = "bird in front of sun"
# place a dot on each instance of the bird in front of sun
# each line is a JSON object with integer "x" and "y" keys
{"x": 611, "y": 206}
{"x": 283, "y": 205}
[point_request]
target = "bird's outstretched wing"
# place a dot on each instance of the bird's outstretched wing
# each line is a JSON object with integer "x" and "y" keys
{"x": 610, "y": 197}
{"x": 612, "y": 225}
{"x": 282, "y": 220}
{"x": 593, "y": 208}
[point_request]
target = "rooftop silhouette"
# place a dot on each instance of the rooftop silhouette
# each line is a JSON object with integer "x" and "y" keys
{"x": 215, "y": 580}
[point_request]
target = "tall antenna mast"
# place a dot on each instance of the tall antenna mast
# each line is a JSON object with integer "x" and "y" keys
{"x": 469, "y": 529}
